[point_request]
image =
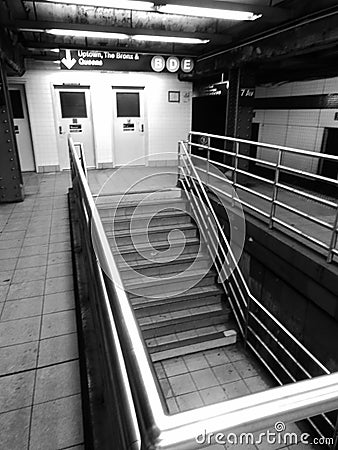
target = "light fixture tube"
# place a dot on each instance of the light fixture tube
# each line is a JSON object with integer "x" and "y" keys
{"x": 208, "y": 12}
{"x": 89, "y": 34}
{"x": 171, "y": 39}
{"x": 137, "y": 37}
{"x": 107, "y": 35}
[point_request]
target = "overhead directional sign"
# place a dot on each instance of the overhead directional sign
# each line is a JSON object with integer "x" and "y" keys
{"x": 121, "y": 61}
{"x": 68, "y": 61}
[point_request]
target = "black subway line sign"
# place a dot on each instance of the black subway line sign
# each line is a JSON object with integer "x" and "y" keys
{"x": 121, "y": 61}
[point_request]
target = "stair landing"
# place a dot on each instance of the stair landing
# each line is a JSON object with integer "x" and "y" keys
{"x": 208, "y": 377}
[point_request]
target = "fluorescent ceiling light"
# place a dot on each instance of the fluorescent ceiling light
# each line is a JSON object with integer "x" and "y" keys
{"x": 89, "y": 34}
{"x": 106, "y": 35}
{"x": 121, "y": 4}
{"x": 208, "y": 12}
{"x": 173, "y": 39}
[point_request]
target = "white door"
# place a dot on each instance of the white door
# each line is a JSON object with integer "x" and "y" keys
{"x": 129, "y": 129}
{"x": 22, "y": 128}
{"x": 74, "y": 118}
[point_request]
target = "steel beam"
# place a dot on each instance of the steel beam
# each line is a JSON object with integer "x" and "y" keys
{"x": 11, "y": 185}
{"x": 290, "y": 40}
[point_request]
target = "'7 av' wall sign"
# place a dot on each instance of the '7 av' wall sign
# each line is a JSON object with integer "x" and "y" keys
{"x": 120, "y": 61}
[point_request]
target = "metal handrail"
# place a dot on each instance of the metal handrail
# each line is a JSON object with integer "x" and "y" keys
{"x": 82, "y": 157}
{"x": 236, "y": 268}
{"x": 115, "y": 365}
{"x": 191, "y": 180}
{"x": 157, "y": 429}
{"x": 277, "y": 186}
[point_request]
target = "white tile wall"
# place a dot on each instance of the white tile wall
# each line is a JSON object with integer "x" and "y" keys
{"x": 308, "y": 87}
{"x": 167, "y": 122}
{"x": 304, "y": 117}
{"x": 279, "y": 90}
{"x": 296, "y": 128}
{"x": 297, "y": 137}
{"x": 270, "y": 134}
{"x": 276, "y": 117}
{"x": 331, "y": 86}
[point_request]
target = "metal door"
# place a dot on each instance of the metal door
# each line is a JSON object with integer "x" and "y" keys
{"x": 129, "y": 126}
{"x": 22, "y": 128}
{"x": 74, "y": 118}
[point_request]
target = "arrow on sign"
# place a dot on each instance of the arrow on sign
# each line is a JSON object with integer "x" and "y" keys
{"x": 68, "y": 61}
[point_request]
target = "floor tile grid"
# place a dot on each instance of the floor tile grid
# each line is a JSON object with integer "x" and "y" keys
{"x": 214, "y": 359}
{"x": 14, "y": 210}
{"x": 52, "y": 366}
{"x": 207, "y": 378}
{"x": 27, "y": 214}
{"x": 38, "y": 353}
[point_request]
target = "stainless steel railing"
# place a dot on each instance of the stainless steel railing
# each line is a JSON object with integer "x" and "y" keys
{"x": 101, "y": 293}
{"x": 268, "y": 206}
{"x": 144, "y": 422}
{"x": 285, "y": 357}
{"x": 82, "y": 157}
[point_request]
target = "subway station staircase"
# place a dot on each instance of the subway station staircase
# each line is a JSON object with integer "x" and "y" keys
{"x": 167, "y": 273}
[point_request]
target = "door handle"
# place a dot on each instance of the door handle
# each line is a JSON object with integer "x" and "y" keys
{"x": 142, "y": 128}
{"x": 60, "y": 130}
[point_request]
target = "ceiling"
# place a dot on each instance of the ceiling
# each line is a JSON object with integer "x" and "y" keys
{"x": 284, "y": 37}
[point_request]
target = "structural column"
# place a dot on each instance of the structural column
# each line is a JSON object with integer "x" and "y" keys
{"x": 11, "y": 185}
{"x": 240, "y": 106}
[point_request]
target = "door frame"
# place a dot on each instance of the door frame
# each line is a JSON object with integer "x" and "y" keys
{"x": 12, "y": 85}
{"x": 57, "y": 114}
{"x": 113, "y": 109}
{"x": 323, "y": 147}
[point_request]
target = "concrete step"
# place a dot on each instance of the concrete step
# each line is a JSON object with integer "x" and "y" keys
{"x": 145, "y": 207}
{"x": 116, "y": 199}
{"x": 141, "y": 268}
{"x": 170, "y": 217}
{"x": 173, "y": 340}
{"x": 193, "y": 345}
{"x": 152, "y": 234}
{"x": 184, "y": 320}
{"x": 208, "y": 295}
{"x": 145, "y": 251}
{"x": 168, "y": 286}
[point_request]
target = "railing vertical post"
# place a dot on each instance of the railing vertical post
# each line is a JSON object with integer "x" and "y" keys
{"x": 333, "y": 241}
{"x": 178, "y": 162}
{"x": 275, "y": 189}
{"x": 246, "y": 325}
{"x": 235, "y": 173}
{"x": 208, "y": 165}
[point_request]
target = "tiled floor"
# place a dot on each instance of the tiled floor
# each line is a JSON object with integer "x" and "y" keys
{"x": 213, "y": 376}
{"x": 209, "y": 377}
{"x": 40, "y": 393}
